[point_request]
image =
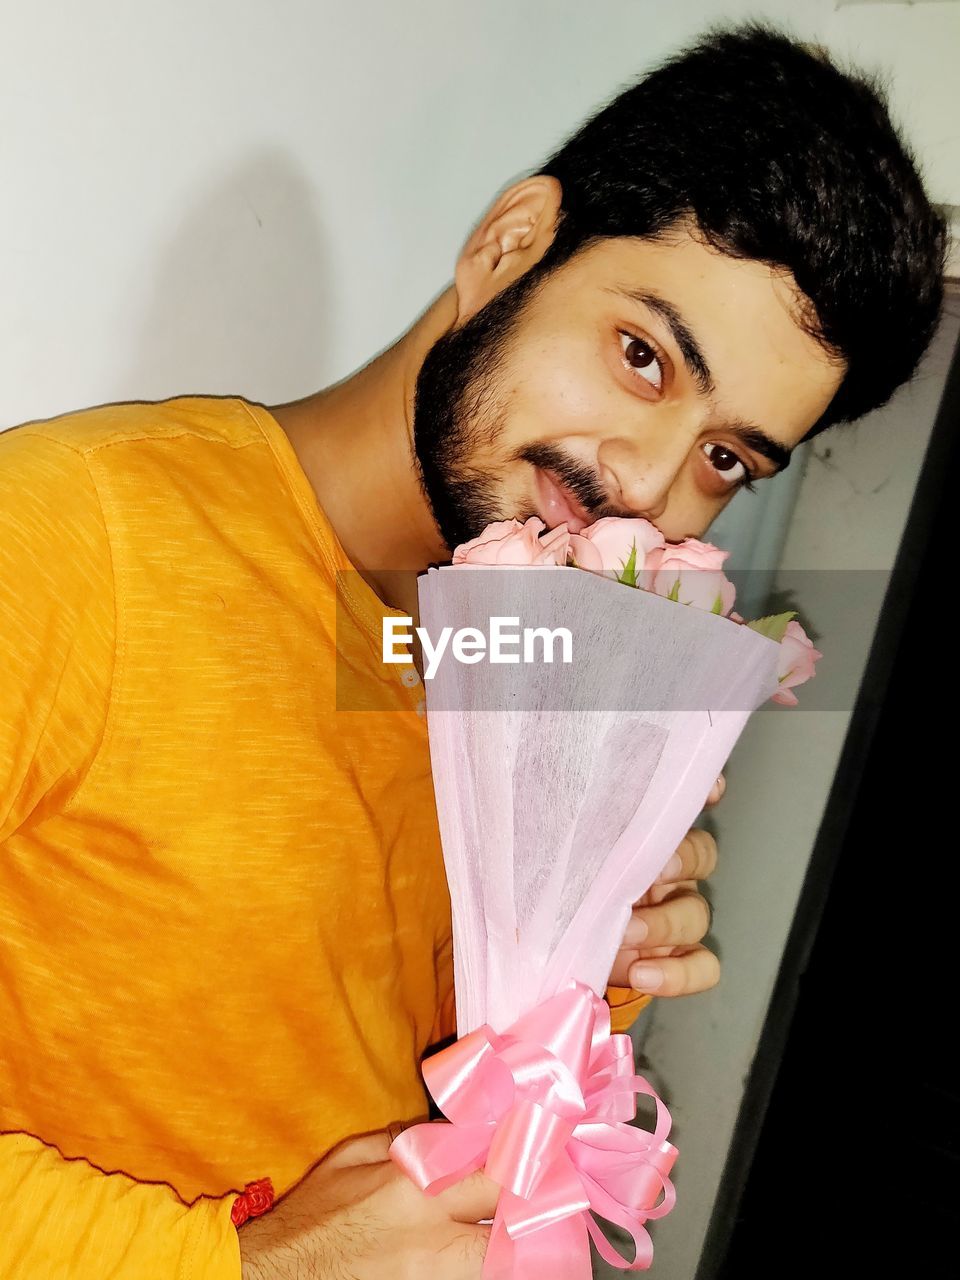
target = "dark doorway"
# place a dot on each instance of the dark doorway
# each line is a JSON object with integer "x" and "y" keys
{"x": 847, "y": 1156}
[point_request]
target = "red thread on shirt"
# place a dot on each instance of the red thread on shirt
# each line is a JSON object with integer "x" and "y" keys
{"x": 257, "y": 1198}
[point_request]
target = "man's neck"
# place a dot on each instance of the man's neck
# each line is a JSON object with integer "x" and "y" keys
{"x": 354, "y": 442}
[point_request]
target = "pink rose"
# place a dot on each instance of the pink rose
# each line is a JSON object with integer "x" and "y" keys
{"x": 510, "y": 542}
{"x": 797, "y": 659}
{"x": 606, "y": 547}
{"x": 690, "y": 571}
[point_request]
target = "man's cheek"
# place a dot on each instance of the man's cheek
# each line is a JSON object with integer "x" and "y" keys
{"x": 566, "y": 397}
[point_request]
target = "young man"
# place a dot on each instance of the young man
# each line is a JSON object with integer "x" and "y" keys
{"x": 224, "y": 933}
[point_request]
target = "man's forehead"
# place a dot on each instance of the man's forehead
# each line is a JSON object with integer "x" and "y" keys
{"x": 680, "y": 264}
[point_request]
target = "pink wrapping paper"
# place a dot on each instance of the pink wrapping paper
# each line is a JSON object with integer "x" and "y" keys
{"x": 557, "y": 816}
{"x": 562, "y": 791}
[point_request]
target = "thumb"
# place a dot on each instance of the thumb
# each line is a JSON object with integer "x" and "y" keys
{"x": 473, "y": 1199}
{"x": 366, "y": 1148}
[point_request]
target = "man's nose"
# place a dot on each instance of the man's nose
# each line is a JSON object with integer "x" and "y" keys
{"x": 640, "y": 473}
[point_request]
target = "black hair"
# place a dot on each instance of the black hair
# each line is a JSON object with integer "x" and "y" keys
{"x": 774, "y": 153}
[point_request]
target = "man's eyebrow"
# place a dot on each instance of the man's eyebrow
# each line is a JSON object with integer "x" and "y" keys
{"x": 690, "y": 348}
{"x": 693, "y": 357}
{"x": 761, "y": 443}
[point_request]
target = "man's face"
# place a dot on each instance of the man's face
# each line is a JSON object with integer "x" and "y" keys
{"x": 642, "y": 378}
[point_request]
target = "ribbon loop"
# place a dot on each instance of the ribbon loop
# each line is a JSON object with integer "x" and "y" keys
{"x": 544, "y": 1109}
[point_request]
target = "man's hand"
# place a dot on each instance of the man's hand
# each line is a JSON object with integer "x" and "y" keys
{"x": 357, "y": 1214}
{"x": 662, "y": 951}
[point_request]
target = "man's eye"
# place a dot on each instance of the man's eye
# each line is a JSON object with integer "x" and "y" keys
{"x": 726, "y": 462}
{"x": 642, "y": 359}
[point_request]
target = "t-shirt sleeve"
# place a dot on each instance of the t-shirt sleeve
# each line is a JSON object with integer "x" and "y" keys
{"x": 66, "y": 1220}
{"x": 625, "y": 1005}
{"x": 57, "y": 624}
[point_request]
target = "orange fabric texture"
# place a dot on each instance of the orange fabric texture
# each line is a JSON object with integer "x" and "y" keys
{"x": 224, "y": 925}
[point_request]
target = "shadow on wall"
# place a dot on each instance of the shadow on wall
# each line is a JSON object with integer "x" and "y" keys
{"x": 241, "y": 299}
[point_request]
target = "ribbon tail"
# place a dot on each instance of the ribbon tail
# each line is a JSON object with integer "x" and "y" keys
{"x": 560, "y": 1251}
{"x": 560, "y": 1195}
{"x": 643, "y": 1246}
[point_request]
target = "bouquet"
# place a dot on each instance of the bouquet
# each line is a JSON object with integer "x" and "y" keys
{"x": 569, "y": 760}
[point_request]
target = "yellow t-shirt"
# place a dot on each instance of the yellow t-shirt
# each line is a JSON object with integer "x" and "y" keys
{"x": 224, "y": 924}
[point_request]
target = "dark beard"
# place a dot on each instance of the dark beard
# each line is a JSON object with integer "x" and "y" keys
{"x": 455, "y": 415}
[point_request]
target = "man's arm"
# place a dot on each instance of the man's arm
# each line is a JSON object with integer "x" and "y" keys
{"x": 356, "y": 1214}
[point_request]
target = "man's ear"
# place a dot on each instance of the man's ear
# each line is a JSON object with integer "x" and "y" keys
{"x": 515, "y": 233}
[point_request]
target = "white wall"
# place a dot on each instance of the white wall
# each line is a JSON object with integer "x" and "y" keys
{"x": 916, "y": 45}
{"x": 254, "y": 196}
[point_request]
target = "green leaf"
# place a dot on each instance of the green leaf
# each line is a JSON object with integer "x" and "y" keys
{"x": 629, "y": 575}
{"x": 717, "y": 604}
{"x": 675, "y": 591}
{"x": 774, "y": 628}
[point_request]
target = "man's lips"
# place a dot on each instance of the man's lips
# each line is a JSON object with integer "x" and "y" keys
{"x": 558, "y": 505}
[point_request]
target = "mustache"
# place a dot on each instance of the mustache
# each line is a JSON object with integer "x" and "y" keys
{"x": 581, "y": 480}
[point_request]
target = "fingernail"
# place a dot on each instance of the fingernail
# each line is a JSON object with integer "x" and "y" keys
{"x": 639, "y": 929}
{"x": 673, "y": 868}
{"x": 646, "y": 977}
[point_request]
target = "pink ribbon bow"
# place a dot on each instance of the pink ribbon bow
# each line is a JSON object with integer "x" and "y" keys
{"x": 544, "y": 1109}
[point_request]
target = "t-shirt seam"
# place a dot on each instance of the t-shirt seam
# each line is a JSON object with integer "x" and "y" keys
{"x": 119, "y": 644}
{"x": 134, "y": 438}
{"x": 118, "y": 641}
{"x": 340, "y": 577}
{"x": 94, "y": 754}
{"x": 190, "y": 1244}
{"x": 292, "y": 489}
